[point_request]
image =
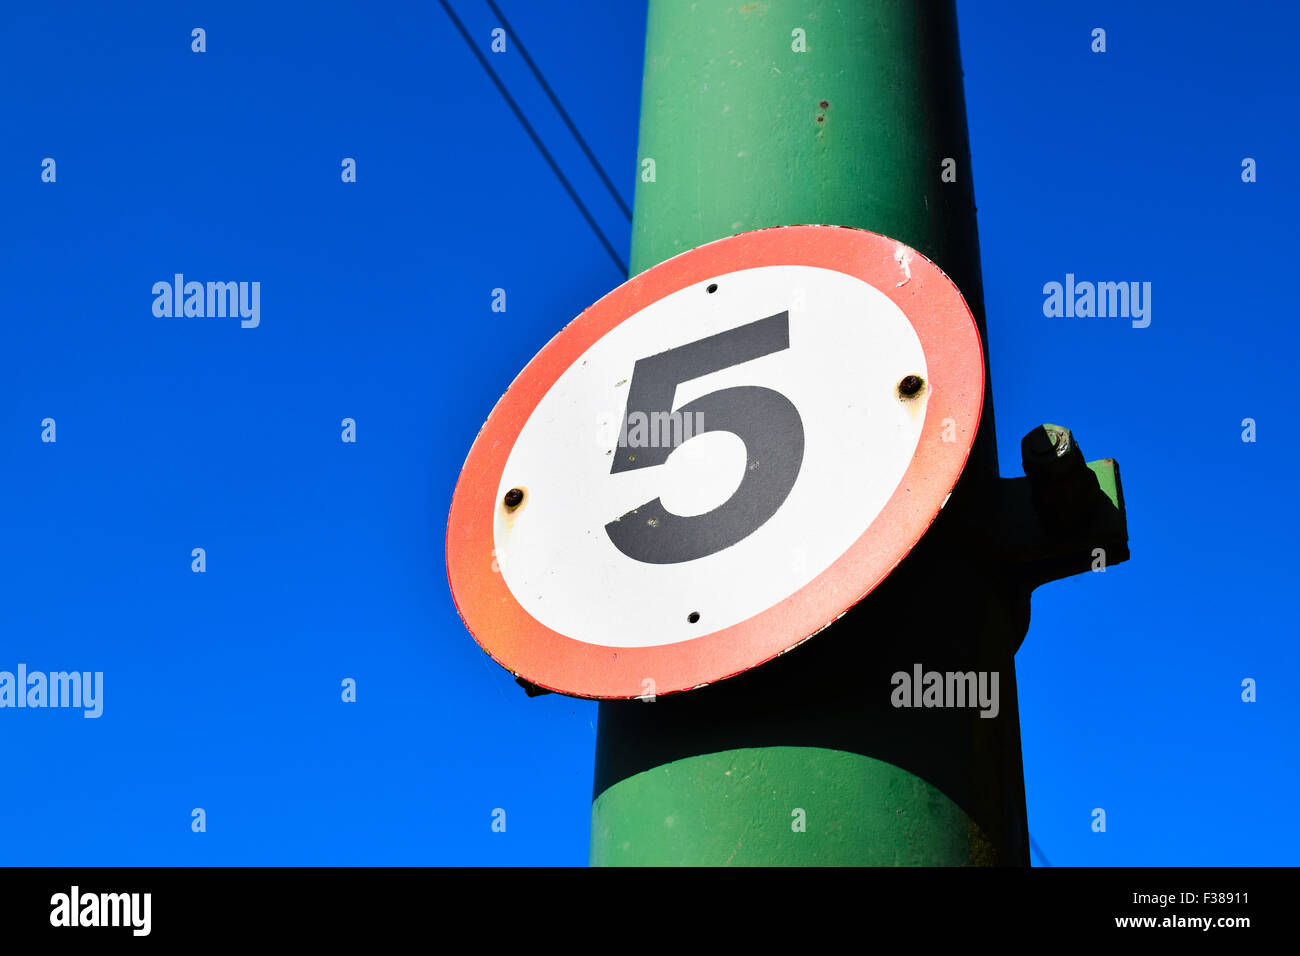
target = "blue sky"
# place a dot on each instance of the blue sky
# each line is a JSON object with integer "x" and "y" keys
{"x": 325, "y": 559}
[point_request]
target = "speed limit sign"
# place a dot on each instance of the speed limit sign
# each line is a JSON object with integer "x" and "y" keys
{"x": 715, "y": 461}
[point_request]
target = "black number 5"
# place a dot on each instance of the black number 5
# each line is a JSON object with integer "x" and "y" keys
{"x": 765, "y": 420}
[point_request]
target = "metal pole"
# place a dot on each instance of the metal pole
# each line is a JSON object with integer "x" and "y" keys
{"x": 843, "y": 112}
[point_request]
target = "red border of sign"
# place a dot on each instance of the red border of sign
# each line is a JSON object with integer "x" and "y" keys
{"x": 955, "y": 362}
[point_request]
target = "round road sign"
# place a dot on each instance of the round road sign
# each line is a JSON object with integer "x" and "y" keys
{"x": 715, "y": 461}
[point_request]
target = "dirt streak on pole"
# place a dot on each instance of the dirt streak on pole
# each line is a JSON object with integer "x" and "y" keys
{"x": 845, "y": 113}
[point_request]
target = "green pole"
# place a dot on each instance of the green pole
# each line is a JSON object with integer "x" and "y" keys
{"x": 846, "y": 113}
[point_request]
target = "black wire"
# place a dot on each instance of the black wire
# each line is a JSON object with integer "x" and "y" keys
{"x": 537, "y": 140}
{"x": 555, "y": 101}
{"x": 1039, "y": 850}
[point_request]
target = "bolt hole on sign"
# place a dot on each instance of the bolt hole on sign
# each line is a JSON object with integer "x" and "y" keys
{"x": 714, "y": 462}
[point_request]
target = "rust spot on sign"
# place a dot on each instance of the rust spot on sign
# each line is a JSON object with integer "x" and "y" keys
{"x": 512, "y": 502}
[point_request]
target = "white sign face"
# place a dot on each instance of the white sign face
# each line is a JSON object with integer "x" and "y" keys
{"x": 715, "y": 461}
{"x": 848, "y": 437}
